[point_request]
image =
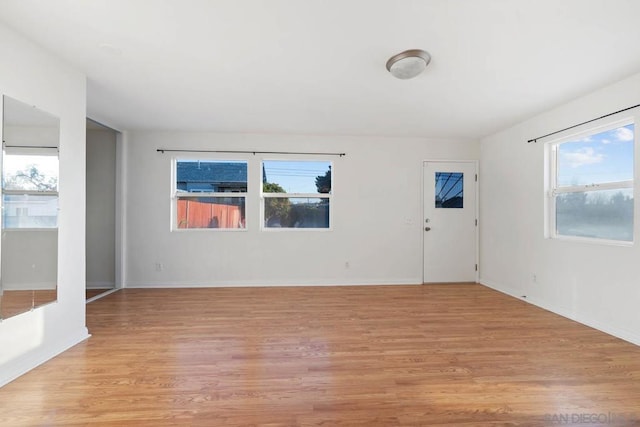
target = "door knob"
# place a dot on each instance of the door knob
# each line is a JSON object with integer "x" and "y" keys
{"x": 427, "y": 228}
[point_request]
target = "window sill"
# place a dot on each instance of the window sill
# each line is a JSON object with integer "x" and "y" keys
{"x": 221, "y": 230}
{"x": 593, "y": 241}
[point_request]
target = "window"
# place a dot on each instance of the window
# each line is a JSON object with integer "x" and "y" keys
{"x": 592, "y": 184}
{"x": 449, "y": 190}
{"x": 210, "y": 194}
{"x": 30, "y": 188}
{"x": 296, "y": 194}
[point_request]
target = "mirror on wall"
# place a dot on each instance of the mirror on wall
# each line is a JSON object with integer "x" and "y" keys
{"x": 101, "y": 210}
{"x": 29, "y": 241}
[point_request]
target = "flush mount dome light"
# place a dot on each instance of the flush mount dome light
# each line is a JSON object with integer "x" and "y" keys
{"x": 408, "y": 64}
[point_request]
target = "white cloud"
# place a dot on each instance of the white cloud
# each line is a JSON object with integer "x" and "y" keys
{"x": 581, "y": 157}
{"x": 624, "y": 134}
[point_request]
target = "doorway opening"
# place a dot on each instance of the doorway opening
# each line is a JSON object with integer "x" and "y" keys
{"x": 101, "y": 213}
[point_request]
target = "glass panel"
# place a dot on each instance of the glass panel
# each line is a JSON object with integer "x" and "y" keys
{"x": 449, "y": 194}
{"x": 604, "y": 214}
{"x": 30, "y": 172}
{"x": 211, "y": 212}
{"x": 14, "y": 302}
{"x": 213, "y": 176}
{"x": 29, "y": 211}
{"x": 29, "y": 241}
{"x": 596, "y": 159}
{"x": 296, "y": 212}
{"x": 301, "y": 177}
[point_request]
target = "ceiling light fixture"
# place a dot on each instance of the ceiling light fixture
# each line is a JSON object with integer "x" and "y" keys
{"x": 408, "y": 64}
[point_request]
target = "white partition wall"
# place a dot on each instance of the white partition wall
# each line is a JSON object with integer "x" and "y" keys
{"x": 35, "y": 77}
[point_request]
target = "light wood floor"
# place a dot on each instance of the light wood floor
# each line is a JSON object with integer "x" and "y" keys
{"x": 459, "y": 355}
{"x": 13, "y": 303}
{"x": 90, "y": 293}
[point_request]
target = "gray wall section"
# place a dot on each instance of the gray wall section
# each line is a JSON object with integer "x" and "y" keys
{"x": 29, "y": 259}
{"x": 101, "y": 189}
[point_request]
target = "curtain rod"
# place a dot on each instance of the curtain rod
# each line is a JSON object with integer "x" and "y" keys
{"x": 30, "y": 146}
{"x": 163, "y": 150}
{"x": 583, "y": 123}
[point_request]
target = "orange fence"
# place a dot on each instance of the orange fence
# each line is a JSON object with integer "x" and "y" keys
{"x": 196, "y": 214}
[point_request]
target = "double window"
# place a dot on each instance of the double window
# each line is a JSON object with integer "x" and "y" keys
{"x": 294, "y": 194}
{"x": 29, "y": 188}
{"x": 592, "y": 184}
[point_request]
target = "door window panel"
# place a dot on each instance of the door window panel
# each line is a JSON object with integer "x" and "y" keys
{"x": 449, "y": 190}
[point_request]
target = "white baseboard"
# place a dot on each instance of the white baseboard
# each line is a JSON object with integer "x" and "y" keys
{"x": 102, "y": 295}
{"x": 101, "y": 285}
{"x": 613, "y": 330}
{"x": 232, "y": 284}
{"x": 38, "y": 286}
{"x": 25, "y": 363}
{"x": 511, "y": 291}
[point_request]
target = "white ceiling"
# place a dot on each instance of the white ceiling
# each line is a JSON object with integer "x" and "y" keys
{"x": 318, "y": 66}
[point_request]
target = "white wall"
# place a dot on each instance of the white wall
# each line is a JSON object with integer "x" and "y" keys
{"x": 101, "y": 208}
{"x": 33, "y": 76}
{"x": 377, "y": 189}
{"x": 592, "y": 283}
{"x": 21, "y": 135}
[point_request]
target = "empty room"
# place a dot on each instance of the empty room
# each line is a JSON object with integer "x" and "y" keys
{"x": 304, "y": 213}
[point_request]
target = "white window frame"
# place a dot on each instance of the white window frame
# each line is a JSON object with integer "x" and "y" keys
{"x": 177, "y": 195}
{"x": 28, "y": 151}
{"x": 264, "y": 196}
{"x": 553, "y": 190}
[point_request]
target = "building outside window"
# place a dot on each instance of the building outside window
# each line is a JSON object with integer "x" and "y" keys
{"x": 210, "y": 194}
{"x": 30, "y": 188}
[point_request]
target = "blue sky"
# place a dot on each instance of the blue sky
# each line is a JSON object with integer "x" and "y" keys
{"x": 449, "y": 185}
{"x": 603, "y": 157}
{"x": 295, "y": 176}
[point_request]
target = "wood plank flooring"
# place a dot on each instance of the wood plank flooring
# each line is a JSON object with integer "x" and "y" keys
{"x": 90, "y": 293}
{"x": 15, "y": 302}
{"x": 432, "y": 355}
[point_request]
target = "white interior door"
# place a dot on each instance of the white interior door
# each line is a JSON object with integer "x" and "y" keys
{"x": 449, "y": 227}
